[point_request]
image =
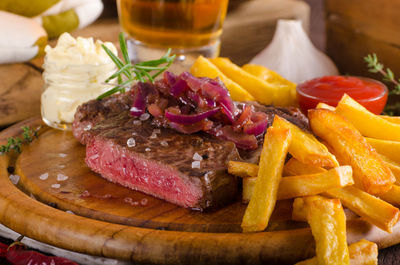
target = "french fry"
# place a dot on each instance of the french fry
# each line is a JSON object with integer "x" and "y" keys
{"x": 366, "y": 122}
{"x": 394, "y": 167}
{"x": 248, "y": 188}
{"x": 305, "y": 185}
{"x": 262, "y": 91}
{"x": 203, "y": 67}
{"x": 272, "y": 77}
{"x": 242, "y": 169}
{"x": 371, "y": 208}
{"x": 393, "y": 119}
{"x": 392, "y": 196}
{"x": 294, "y": 167}
{"x": 322, "y": 105}
{"x": 362, "y": 252}
{"x": 351, "y": 148}
{"x": 390, "y": 149}
{"x": 305, "y": 147}
{"x": 328, "y": 226}
{"x": 262, "y": 203}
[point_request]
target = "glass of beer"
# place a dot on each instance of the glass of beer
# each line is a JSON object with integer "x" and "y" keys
{"x": 189, "y": 27}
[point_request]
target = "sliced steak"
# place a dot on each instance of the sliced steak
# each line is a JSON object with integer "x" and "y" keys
{"x": 158, "y": 161}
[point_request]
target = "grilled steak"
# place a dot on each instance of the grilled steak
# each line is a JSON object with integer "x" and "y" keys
{"x": 185, "y": 169}
{"x": 156, "y": 161}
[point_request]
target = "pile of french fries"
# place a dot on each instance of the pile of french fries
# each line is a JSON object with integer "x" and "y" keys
{"x": 354, "y": 163}
{"x": 248, "y": 83}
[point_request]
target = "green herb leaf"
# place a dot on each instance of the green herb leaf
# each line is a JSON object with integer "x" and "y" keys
{"x": 15, "y": 143}
{"x": 143, "y": 71}
{"x": 388, "y": 76}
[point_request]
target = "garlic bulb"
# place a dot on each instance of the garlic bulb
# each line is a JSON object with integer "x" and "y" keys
{"x": 292, "y": 54}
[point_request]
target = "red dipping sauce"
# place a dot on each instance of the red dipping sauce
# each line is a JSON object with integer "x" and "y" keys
{"x": 368, "y": 92}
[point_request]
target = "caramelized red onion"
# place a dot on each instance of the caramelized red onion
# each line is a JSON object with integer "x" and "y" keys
{"x": 189, "y": 119}
{"x": 189, "y": 104}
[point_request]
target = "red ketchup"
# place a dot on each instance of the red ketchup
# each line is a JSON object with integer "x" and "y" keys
{"x": 368, "y": 92}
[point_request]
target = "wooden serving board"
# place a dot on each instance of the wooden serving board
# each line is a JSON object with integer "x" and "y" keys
{"x": 106, "y": 224}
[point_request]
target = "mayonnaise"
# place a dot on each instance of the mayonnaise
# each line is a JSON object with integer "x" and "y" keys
{"x": 74, "y": 72}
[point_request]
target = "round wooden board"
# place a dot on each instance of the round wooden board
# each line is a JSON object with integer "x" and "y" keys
{"x": 110, "y": 227}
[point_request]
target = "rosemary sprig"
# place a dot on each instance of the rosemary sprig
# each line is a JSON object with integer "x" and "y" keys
{"x": 376, "y": 67}
{"x": 15, "y": 143}
{"x": 127, "y": 72}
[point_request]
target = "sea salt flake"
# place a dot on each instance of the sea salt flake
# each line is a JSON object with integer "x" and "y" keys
{"x": 88, "y": 127}
{"x": 147, "y": 149}
{"x": 197, "y": 157}
{"x": 156, "y": 131}
{"x": 70, "y": 212}
{"x": 153, "y": 136}
{"x": 134, "y": 109}
{"x": 164, "y": 143}
{"x": 44, "y": 176}
{"x": 56, "y": 186}
{"x": 61, "y": 177}
{"x": 131, "y": 142}
{"x": 61, "y": 166}
{"x": 62, "y": 155}
{"x": 144, "y": 201}
{"x": 196, "y": 164}
{"x": 137, "y": 122}
{"x": 128, "y": 200}
{"x": 14, "y": 179}
{"x": 144, "y": 116}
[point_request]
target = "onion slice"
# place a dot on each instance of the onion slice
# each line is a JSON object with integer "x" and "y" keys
{"x": 190, "y": 119}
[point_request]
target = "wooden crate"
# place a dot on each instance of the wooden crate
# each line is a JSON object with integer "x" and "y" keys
{"x": 356, "y": 28}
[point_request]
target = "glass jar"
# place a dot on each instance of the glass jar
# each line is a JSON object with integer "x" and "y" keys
{"x": 69, "y": 85}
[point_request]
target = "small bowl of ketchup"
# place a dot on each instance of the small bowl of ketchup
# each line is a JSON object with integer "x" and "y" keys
{"x": 368, "y": 92}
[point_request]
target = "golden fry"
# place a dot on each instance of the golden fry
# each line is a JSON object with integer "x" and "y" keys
{"x": 366, "y": 122}
{"x": 248, "y": 188}
{"x": 322, "y": 105}
{"x": 305, "y": 185}
{"x": 394, "y": 167}
{"x": 294, "y": 167}
{"x": 392, "y": 196}
{"x": 362, "y": 252}
{"x": 328, "y": 226}
{"x": 272, "y": 78}
{"x": 393, "y": 119}
{"x": 351, "y": 148}
{"x": 262, "y": 91}
{"x": 390, "y": 149}
{"x": 203, "y": 67}
{"x": 305, "y": 147}
{"x": 242, "y": 169}
{"x": 371, "y": 208}
{"x": 262, "y": 203}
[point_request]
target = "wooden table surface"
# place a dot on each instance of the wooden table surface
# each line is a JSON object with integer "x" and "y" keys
{"x": 240, "y": 45}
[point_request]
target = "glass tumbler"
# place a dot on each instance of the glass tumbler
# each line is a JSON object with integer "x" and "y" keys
{"x": 189, "y": 27}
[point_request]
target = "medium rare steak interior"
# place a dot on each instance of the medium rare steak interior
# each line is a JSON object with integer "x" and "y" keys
{"x": 165, "y": 159}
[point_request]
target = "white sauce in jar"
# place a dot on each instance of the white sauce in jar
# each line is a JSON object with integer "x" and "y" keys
{"x": 74, "y": 72}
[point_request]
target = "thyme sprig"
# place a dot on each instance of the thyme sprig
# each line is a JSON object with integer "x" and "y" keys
{"x": 376, "y": 67}
{"x": 15, "y": 143}
{"x": 127, "y": 72}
